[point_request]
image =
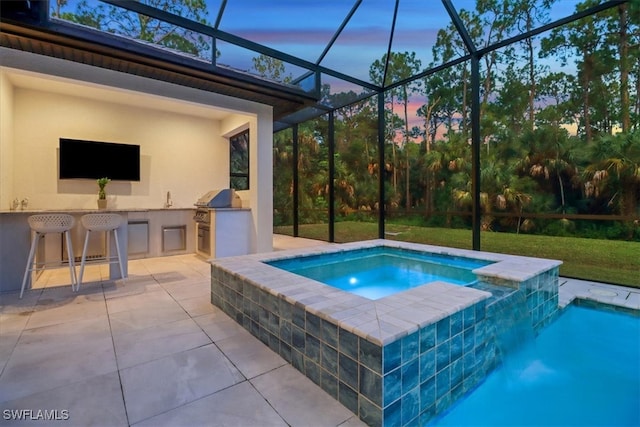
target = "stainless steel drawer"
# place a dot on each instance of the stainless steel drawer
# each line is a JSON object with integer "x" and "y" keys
{"x": 174, "y": 238}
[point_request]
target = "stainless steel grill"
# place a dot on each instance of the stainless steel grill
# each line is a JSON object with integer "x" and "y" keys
{"x": 214, "y": 199}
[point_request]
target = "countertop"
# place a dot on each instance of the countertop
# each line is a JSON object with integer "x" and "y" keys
{"x": 82, "y": 211}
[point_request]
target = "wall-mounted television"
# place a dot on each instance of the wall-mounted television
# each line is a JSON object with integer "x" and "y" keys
{"x": 94, "y": 159}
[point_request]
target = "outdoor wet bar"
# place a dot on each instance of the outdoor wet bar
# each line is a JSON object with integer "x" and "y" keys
{"x": 140, "y": 233}
{"x": 51, "y": 249}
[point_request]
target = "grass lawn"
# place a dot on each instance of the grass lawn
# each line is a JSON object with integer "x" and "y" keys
{"x": 609, "y": 261}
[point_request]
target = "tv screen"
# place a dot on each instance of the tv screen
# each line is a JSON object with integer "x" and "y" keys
{"x": 93, "y": 159}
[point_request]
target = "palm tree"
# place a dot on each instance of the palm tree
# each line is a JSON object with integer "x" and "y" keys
{"x": 515, "y": 200}
{"x": 614, "y": 174}
{"x": 549, "y": 160}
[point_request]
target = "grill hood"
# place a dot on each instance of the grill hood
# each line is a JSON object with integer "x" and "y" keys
{"x": 226, "y": 198}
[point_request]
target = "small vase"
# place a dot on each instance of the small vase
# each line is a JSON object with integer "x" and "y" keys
{"x": 102, "y": 203}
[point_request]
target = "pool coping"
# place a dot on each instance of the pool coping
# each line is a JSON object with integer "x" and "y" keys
{"x": 586, "y": 293}
{"x": 390, "y": 318}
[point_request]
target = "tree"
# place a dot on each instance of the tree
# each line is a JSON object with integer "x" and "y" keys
{"x": 283, "y": 178}
{"x": 356, "y": 144}
{"x": 528, "y": 15}
{"x": 403, "y": 66}
{"x": 512, "y": 101}
{"x": 613, "y": 179}
{"x": 430, "y": 131}
{"x": 549, "y": 161}
{"x": 117, "y": 20}
{"x": 377, "y": 73}
{"x": 383, "y": 72}
{"x": 515, "y": 198}
{"x": 586, "y": 40}
{"x": 448, "y": 46}
{"x": 624, "y": 33}
{"x": 495, "y": 17}
{"x": 555, "y": 88}
{"x": 271, "y": 68}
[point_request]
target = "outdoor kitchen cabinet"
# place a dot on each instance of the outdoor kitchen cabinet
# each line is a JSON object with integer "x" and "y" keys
{"x": 170, "y": 231}
{"x": 226, "y": 233}
{"x": 138, "y": 232}
{"x": 174, "y": 238}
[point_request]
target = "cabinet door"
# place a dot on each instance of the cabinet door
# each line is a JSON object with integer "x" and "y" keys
{"x": 138, "y": 234}
{"x": 174, "y": 238}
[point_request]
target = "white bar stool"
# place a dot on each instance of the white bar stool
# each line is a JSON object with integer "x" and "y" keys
{"x": 50, "y": 223}
{"x": 100, "y": 222}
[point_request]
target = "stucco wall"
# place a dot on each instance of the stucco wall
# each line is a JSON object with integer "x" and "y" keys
{"x": 6, "y": 139}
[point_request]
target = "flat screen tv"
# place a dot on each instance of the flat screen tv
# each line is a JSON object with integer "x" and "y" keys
{"x": 93, "y": 159}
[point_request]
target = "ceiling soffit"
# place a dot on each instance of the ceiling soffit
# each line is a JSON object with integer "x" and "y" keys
{"x": 109, "y": 52}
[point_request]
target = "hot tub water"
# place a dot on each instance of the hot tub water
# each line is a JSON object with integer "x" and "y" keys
{"x": 379, "y": 272}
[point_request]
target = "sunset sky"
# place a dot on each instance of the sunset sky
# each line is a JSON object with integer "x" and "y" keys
{"x": 303, "y": 28}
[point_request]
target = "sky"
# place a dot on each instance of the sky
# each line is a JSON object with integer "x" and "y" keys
{"x": 303, "y": 28}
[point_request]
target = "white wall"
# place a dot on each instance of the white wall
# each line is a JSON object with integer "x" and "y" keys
{"x": 262, "y": 178}
{"x": 6, "y": 141}
{"x": 183, "y": 154}
{"x": 260, "y": 194}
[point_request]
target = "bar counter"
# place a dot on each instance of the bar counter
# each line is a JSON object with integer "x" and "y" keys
{"x": 15, "y": 240}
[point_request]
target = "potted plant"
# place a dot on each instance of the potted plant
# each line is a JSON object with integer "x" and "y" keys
{"x": 102, "y": 195}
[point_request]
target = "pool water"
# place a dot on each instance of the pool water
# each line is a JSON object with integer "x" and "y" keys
{"x": 379, "y": 272}
{"x": 582, "y": 370}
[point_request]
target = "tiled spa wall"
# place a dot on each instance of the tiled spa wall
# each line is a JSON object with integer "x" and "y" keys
{"x": 404, "y": 382}
{"x": 517, "y": 311}
{"x": 540, "y": 291}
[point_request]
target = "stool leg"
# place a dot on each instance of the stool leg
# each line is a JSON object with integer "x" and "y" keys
{"x": 72, "y": 267}
{"x": 84, "y": 255}
{"x": 115, "y": 235}
{"x": 32, "y": 253}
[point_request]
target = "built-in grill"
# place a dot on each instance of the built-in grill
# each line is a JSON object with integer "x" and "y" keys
{"x": 214, "y": 199}
{"x": 226, "y": 198}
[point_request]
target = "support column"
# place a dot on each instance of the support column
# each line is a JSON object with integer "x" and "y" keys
{"x": 381, "y": 168}
{"x": 475, "y": 150}
{"x": 332, "y": 172}
{"x": 296, "y": 200}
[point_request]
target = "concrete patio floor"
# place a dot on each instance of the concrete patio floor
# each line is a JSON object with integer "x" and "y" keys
{"x": 153, "y": 351}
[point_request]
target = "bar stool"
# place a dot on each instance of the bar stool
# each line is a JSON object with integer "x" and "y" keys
{"x": 100, "y": 222}
{"x": 50, "y": 223}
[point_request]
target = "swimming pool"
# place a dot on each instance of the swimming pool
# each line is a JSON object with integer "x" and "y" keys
{"x": 398, "y": 359}
{"x": 581, "y": 370}
{"x": 375, "y": 273}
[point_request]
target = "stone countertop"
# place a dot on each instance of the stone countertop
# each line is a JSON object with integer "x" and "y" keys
{"x": 82, "y": 211}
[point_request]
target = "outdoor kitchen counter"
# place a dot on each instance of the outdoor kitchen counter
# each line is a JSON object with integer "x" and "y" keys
{"x": 222, "y": 232}
{"x": 15, "y": 239}
{"x": 86, "y": 211}
{"x": 15, "y": 242}
{"x": 165, "y": 231}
